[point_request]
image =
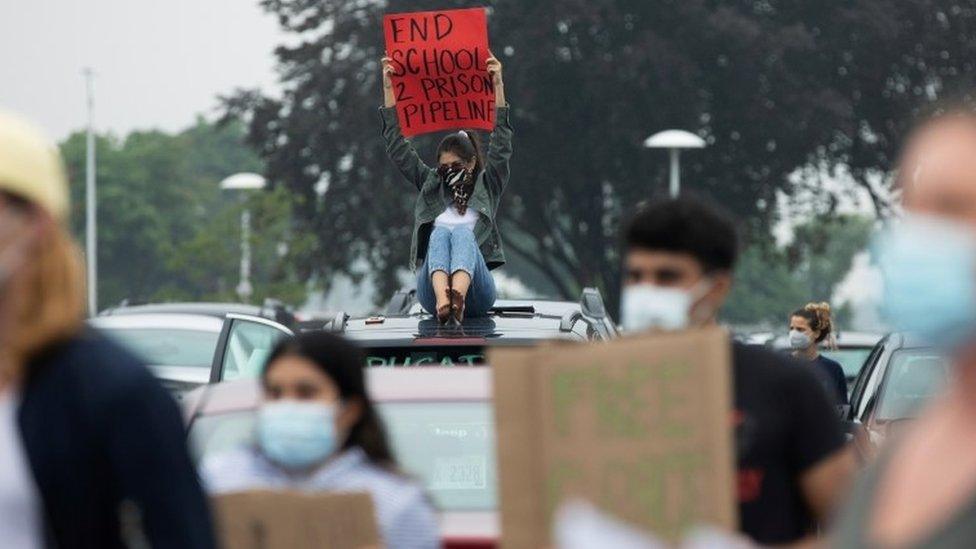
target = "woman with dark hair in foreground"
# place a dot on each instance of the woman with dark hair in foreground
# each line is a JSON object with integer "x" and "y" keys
{"x": 317, "y": 430}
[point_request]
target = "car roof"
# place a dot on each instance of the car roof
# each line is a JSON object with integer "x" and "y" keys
{"x": 845, "y": 340}
{"x": 550, "y": 307}
{"x": 905, "y": 340}
{"x": 512, "y": 322}
{"x": 858, "y": 339}
{"x": 173, "y": 321}
{"x": 415, "y": 384}
{"x": 209, "y": 309}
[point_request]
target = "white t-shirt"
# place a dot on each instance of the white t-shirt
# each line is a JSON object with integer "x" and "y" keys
{"x": 20, "y": 521}
{"x": 451, "y": 218}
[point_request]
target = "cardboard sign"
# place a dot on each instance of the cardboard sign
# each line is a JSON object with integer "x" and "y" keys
{"x": 640, "y": 427}
{"x": 440, "y": 80}
{"x": 290, "y": 520}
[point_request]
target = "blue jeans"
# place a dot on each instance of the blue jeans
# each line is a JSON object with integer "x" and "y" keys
{"x": 452, "y": 251}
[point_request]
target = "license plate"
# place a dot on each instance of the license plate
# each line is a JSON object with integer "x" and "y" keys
{"x": 459, "y": 473}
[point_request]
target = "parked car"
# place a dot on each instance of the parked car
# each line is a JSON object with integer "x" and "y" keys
{"x": 179, "y": 348}
{"x": 440, "y": 425}
{"x": 271, "y": 310}
{"x": 900, "y": 375}
{"x": 852, "y": 351}
{"x": 180, "y": 341}
{"x": 405, "y": 335}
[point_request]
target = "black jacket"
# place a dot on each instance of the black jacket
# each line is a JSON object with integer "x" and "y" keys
{"x": 107, "y": 448}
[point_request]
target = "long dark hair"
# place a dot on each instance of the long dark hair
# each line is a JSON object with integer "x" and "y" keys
{"x": 343, "y": 363}
{"x": 467, "y": 145}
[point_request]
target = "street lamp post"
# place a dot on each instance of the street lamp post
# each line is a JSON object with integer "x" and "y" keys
{"x": 674, "y": 141}
{"x": 244, "y": 182}
{"x": 91, "y": 229}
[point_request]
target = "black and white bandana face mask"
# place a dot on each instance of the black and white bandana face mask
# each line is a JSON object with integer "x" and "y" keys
{"x": 460, "y": 182}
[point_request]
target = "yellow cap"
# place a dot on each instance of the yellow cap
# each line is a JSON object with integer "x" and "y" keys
{"x": 31, "y": 166}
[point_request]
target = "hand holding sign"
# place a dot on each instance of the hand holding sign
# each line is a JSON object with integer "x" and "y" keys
{"x": 494, "y": 67}
{"x": 389, "y": 100}
{"x": 436, "y": 70}
{"x": 495, "y": 71}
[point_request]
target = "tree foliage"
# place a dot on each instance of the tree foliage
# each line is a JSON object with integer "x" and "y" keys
{"x": 165, "y": 229}
{"x": 772, "y": 281}
{"x": 773, "y": 86}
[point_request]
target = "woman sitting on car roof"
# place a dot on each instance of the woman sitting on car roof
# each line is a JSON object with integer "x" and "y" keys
{"x": 317, "y": 430}
{"x": 455, "y": 236}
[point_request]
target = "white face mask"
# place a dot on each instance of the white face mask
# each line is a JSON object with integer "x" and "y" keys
{"x": 799, "y": 340}
{"x": 646, "y": 306}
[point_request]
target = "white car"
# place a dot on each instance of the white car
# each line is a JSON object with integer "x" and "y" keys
{"x": 179, "y": 348}
{"x": 181, "y": 343}
{"x": 852, "y": 351}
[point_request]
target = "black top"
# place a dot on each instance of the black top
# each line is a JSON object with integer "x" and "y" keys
{"x": 832, "y": 378}
{"x": 785, "y": 425}
{"x": 99, "y": 430}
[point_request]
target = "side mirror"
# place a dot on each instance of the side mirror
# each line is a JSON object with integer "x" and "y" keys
{"x": 592, "y": 305}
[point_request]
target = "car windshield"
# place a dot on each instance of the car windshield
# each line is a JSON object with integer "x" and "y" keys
{"x": 449, "y": 446}
{"x": 913, "y": 376}
{"x": 168, "y": 347}
{"x": 851, "y": 360}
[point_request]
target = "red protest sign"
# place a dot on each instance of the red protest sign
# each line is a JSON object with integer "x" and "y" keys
{"x": 439, "y": 76}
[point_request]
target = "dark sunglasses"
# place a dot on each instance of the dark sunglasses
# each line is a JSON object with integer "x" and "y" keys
{"x": 445, "y": 169}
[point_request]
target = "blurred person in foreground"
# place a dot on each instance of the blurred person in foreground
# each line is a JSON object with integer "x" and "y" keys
{"x": 811, "y": 327}
{"x": 90, "y": 444}
{"x": 317, "y": 430}
{"x": 921, "y": 492}
{"x": 792, "y": 464}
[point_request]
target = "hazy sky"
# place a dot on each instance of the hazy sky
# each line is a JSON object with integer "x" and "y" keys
{"x": 158, "y": 62}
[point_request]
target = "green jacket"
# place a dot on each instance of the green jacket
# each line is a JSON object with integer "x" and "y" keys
{"x": 432, "y": 200}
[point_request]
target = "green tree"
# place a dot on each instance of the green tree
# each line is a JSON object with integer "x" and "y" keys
{"x": 165, "y": 229}
{"x": 773, "y": 86}
{"x": 771, "y": 282}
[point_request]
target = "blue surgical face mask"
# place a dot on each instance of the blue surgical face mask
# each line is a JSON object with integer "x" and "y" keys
{"x": 929, "y": 270}
{"x": 297, "y": 435}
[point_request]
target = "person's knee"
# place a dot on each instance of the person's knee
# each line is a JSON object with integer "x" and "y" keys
{"x": 462, "y": 233}
{"x": 463, "y": 237}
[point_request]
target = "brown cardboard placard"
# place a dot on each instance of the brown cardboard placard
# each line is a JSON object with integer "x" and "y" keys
{"x": 640, "y": 427}
{"x": 261, "y": 519}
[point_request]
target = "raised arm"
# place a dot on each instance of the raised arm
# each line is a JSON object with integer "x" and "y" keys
{"x": 500, "y": 146}
{"x": 400, "y": 151}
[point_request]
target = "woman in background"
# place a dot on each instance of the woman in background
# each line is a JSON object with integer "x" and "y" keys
{"x": 811, "y": 327}
{"x": 317, "y": 430}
